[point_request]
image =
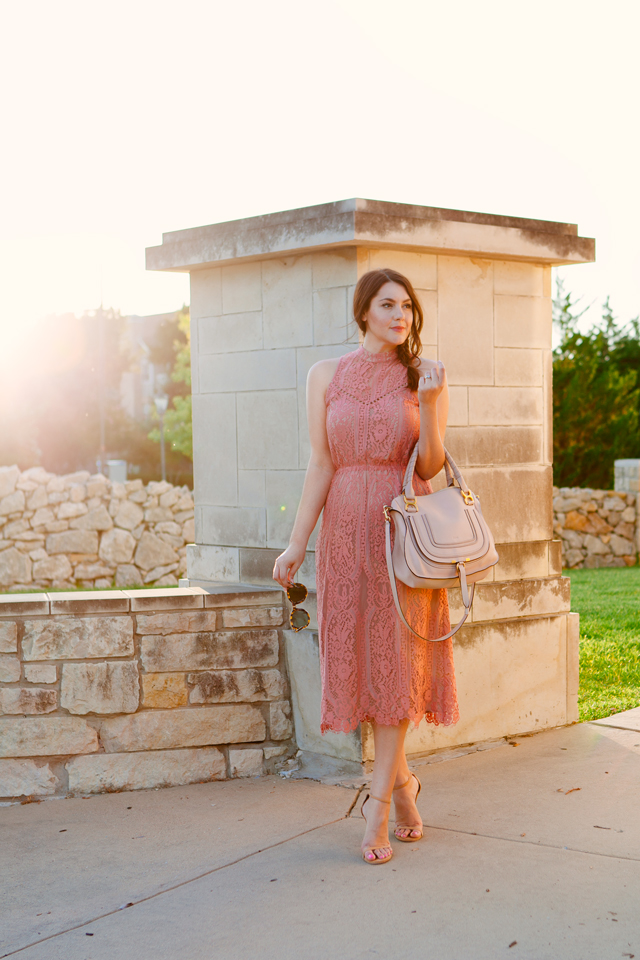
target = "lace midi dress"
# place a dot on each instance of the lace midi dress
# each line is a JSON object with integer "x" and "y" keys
{"x": 372, "y": 667}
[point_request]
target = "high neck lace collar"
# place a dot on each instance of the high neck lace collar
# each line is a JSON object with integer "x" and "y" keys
{"x": 383, "y": 357}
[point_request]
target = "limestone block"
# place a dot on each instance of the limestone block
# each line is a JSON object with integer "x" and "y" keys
{"x": 621, "y": 547}
{"x": 169, "y": 579}
{"x": 187, "y": 727}
{"x": 494, "y": 445}
{"x": 505, "y": 405}
{"x": 215, "y": 651}
{"x": 555, "y": 558}
{"x": 240, "y": 331}
{"x": 164, "y": 690}
{"x": 183, "y": 621}
{"x": 12, "y": 503}
{"x": 518, "y": 368}
{"x": 128, "y": 575}
{"x": 206, "y": 293}
{"x": 286, "y": 295}
{"x": 109, "y": 773}
{"x": 573, "y": 558}
{"x": 97, "y": 519}
{"x": 271, "y": 752}
{"x": 247, "y": 370}
{"x": 128, "y": 515}
{"x": 78, "y": 492}
{"x": 283, "y": 492}
{"x": 522, "y": 321}
{"x": 574, "y": 539}
{"x": 243, "y": 526}
{"x": 330, "y": 315}
{"x": 133, "y": 486}
{"x": 38, "y": 498}
{"x": 516, "y": 501}
{"x": 628, "y": 515}
{"x": 513, "y": 277}
{"x": 28, "y": 700}
{"x": 240, "y": 686}
{"x": 75, "y": 638}
{"x": 519, "y": 561}
{"x": 521, "y": 598}
{"x": 152, "y": 552}
{"x": 24, "y": 778}
{"x": 118, "y": 491}
{"x": 8, "y": 637}
{"x": 173, "y": 541}
{"x": 251, "y": 488}
{"x": 615, "y": 504}
{"x": 117, "y": 546}
{"x": 184, "y": 503}
{"x": 209, "y": 562}
{"x": 626, "y": 530}
{"x": 42, "y": 516}
{"x": 80, "y": 476}
{"x": 573, "y": 666}
{"x": 188, "y": 531}
{"x": 594, "y": 545}
{"x": 56, "y": 526}
{"x": 97, "y": 488}
{"x": 465, "y": 289}
{"x": 245, "y": 763}
{"x": 15, "y": 567}
{"x": 262, "y": 441}
{"x": 215, "y": 467}
{"x": 73, "y": 541}
{"x": 8, "y": 479}
{"x": 280, "y": 724}
{"x": 91, "y": 571}
{"x": 458, "y": 406}
{"x": 157, "y": 515}
{"x": 46, "y": 737}
{"x": 271, "y": 595}
{"x": 420, "y": 268}
{"x": 40, "y": 672}
{"x": 334, "y": 268}
{"x": 159, "y": 572}
{"x": 9, "y": 669}
{"x": 252, "y": 617}
{"x": 12, "y": 530}
{"x": 53, "y": 568}
{"x": 68, "y": 510}
{"x": 241, "y": 288}
{"x": 110, "y": 687}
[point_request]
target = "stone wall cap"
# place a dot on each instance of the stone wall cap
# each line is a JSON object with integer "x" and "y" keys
{"x": 89, "y": 601}
{"x": 176, "y": 598}
{"x": 24, "y": 604}
{"x": 371, "y": 223}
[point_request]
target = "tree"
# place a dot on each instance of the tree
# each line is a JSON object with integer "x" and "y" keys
{"x": 596, "y": 396}
{"x": 177, "y": 420}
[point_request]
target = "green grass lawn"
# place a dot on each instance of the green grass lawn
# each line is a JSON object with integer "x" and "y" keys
{"x": 608, "y": 602}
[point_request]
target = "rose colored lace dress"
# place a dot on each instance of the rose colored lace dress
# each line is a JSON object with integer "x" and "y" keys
{"x": 372, "y": 667}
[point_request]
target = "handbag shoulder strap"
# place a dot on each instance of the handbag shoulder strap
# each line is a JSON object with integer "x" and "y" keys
{"x": 450, "y": 469}
{"x": 467, "y": 595}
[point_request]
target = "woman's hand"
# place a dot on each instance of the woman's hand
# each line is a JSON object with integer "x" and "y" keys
{"x": 287, "y": 564}
{"x": 432, "y": 384}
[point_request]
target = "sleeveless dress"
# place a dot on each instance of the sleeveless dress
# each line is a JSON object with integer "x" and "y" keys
{"x": 372, "y": 667}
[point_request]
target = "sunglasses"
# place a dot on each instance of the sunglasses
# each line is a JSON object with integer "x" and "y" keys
{"x": 298, "y": 619}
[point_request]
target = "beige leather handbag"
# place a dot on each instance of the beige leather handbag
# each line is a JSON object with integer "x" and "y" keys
{"x": 441, "y": 539}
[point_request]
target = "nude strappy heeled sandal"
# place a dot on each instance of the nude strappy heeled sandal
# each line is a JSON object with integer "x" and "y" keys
{"x": 371, "y": 849}
{"x": 408, "y": 826}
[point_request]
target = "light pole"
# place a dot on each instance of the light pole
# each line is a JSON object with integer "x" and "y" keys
{"x": 161, "y": 406}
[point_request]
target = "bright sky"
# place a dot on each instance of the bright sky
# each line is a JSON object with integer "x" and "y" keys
{"x": 122, "y": 120}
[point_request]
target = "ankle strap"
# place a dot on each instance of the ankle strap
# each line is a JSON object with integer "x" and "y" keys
{"x": 379, "y": 799}
{"x": 403, "y": 784}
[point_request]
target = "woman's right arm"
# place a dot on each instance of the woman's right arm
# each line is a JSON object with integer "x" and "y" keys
{"x": 317, "y": 481}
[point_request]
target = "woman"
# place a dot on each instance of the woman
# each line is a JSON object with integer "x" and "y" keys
{"x": 365, "y": 412}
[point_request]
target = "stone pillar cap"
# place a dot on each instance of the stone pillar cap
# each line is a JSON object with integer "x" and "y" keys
{"x": 371, "y": 223}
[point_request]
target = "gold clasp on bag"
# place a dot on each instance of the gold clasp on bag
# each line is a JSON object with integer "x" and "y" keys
{"x": 410, "y": 502}
{"x": 386, "y": 513}
{"x": 468, "y": 497}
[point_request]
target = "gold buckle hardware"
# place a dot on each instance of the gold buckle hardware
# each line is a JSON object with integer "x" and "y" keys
{"x": 386, "y": 513}
{"x": 468, "y": 497}
{"x": 410, "y": 502}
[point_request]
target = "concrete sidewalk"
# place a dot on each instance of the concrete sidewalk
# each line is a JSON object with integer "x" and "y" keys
{"x": 531, "y": 851}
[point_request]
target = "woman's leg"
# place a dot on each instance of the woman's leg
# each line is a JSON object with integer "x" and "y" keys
{"x": 389, "y": 751}
{"x": 404, "y": 800}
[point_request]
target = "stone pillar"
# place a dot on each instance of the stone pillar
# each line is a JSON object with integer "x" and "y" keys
{"x": 272, "y": 295}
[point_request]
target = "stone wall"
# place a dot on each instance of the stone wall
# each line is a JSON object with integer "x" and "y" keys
{"x": 82, "y": 530}
{"x": 124, "y": 690}
{"x": 598, "y": 528}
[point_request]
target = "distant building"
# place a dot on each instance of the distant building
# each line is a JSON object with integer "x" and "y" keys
{"x": 146, "y": 379}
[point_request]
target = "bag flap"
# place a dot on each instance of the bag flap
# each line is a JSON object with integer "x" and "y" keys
{"x": 445, "y": 528}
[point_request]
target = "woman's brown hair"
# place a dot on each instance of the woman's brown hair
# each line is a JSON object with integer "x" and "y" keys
{"x": 366, "y": 289}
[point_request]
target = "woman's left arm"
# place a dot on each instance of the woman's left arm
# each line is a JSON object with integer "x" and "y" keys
{"x": 433, "y": 397}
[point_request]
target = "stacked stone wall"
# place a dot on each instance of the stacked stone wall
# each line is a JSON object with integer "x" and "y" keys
{"x": 598, "y": 528}
{"x": 123, "y": 690}
{"x": 83, "y": 530}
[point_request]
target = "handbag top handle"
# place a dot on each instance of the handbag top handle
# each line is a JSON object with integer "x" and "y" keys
{"x": 450, "y": 469}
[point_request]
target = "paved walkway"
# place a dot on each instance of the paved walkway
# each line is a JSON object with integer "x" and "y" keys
{"x": 532, "y": 851}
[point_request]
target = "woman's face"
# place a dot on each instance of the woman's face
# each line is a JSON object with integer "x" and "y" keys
{"x": 390, "y": 315}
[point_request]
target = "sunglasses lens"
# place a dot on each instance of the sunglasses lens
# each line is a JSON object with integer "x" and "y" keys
{"x": 299, "y": 619}
{"x": 297, "y": 592}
